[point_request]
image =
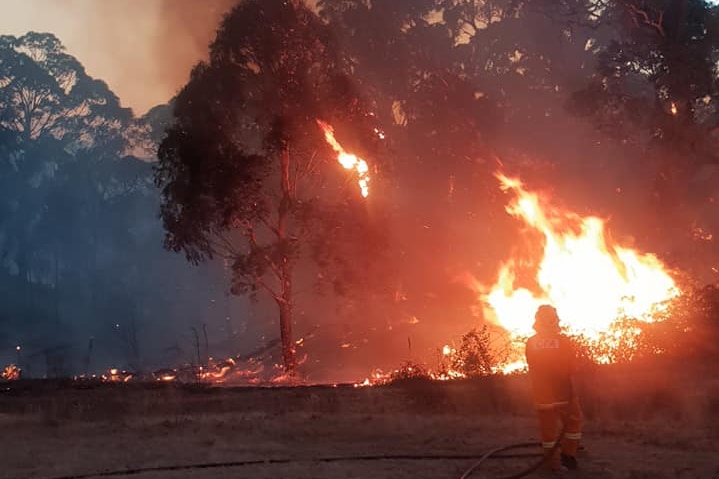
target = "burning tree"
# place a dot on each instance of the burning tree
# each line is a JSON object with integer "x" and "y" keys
{"x": 241, "y": 169}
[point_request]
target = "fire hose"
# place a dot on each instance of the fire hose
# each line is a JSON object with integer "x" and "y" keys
{"x": 524, "y": 472}
{"x": 493, "y": 454}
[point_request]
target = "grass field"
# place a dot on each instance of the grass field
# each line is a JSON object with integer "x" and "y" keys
{"x": 641, "y": 422}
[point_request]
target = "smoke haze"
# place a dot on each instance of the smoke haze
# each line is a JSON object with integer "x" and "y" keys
{"x": 144, "y": 50}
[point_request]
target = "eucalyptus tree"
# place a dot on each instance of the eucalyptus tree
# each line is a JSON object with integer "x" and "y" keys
{"x": 243, "y": 167}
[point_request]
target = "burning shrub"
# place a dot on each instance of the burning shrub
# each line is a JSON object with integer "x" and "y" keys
{"x": 688, "y": 325}
{"x": 629, "y": 339}
{"x": 475, "y": 356}
{"x": 620, "y": 344}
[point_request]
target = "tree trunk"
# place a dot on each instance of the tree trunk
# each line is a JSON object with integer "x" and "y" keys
{"x": 56, "y": 258}
{"x": 288, "y": 345}
{"x": 286, "y": 269}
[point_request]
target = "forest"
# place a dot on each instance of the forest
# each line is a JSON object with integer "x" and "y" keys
{"x": 220, "y": 223}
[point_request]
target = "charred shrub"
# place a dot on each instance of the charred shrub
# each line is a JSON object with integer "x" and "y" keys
{"x": 410, "y": 370}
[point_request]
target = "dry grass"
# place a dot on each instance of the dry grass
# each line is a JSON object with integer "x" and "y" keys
{"x": 642, "y": 421}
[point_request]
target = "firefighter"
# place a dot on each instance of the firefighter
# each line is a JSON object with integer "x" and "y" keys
{"x": 551, "y": 361}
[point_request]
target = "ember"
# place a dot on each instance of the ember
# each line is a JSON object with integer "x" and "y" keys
{"x": 11, "y": 373}
{"x": 165, "y": 375}
{"x": 114, "y": 375}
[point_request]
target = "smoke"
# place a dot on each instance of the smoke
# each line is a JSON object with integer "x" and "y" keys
{"x": 194, "y": 23}
{"x": 143, "y": 50}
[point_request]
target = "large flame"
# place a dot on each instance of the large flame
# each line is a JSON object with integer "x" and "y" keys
{"x": 347, "y": 160}
{"x": 590, "y": 280}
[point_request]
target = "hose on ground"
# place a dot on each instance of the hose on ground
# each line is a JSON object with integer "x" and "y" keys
{"x": 494, "y": 454}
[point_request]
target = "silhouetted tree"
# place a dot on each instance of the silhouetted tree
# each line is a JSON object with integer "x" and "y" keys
{"x": 80, "y": 242}
{"x": 241, "y": 170}
{"x": 655, "y": 83}
{"x": 52, "y": 112}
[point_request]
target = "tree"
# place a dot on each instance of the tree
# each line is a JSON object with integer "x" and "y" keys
{"x": 76, "y": 212}
{"x": 242, "y": 169}
{"x": 653, "y": 92}
{"x": 46, "y": 93}
{"x": 655, "y": 82}
{"x": 51, "y": 113}
{"x": 53, "y": 110}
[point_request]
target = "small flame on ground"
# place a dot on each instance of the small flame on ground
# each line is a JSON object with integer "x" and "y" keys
{"x": 11, "y": 373}
{"x": 114, "y": 375}
{"x": 348, "y": 160}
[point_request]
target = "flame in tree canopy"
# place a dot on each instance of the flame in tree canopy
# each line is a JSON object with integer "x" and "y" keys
{"x": 589, "y": 279}
{"x": 347, "y": 160}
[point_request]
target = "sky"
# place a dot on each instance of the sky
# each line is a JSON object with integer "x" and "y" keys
{"x": 143, "y": 49}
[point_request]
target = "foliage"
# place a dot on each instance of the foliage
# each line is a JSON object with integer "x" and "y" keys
{"x": 655, "y": 87}
{"x": 476, "y": 355}
{"x": 458, "y": 88}
{"x": 243, "y": 170}
{"x": 79, "y": 239}
{"x": 686, "y": 328}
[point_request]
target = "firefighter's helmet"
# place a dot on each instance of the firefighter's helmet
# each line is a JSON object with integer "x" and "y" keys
{"x": 546, "y": 319}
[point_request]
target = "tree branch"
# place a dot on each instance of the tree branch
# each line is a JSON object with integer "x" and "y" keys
{"x": 642, "y": 15}
{"x": 252, "y": 238}
{"x": 226, "y": 243}
{"x": 277, "y": 297}
{"x": 310, "y": 167}
{"x": 269, "y": 226}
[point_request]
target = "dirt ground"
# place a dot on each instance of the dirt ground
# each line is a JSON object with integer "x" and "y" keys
{"x": 52, "y": 430}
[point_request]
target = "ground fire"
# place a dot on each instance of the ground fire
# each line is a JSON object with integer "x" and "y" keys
{"x": 348, "y": 160}
{"x": 600, "y": 288}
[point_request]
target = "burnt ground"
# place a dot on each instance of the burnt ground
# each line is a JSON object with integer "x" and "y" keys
{"x": 639, "y": 424}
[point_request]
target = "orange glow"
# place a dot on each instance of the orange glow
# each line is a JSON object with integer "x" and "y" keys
{"x": 114, "y": 375}
{"x": 673, "y": 108}
{"x": 348, "y": 160}
{"x": 11, "y": 373}
{"x": 592, "y": 281}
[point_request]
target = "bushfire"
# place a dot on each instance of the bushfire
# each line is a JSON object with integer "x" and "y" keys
{"x": 601, "y": 289}
{"x": 597, "y": 285}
